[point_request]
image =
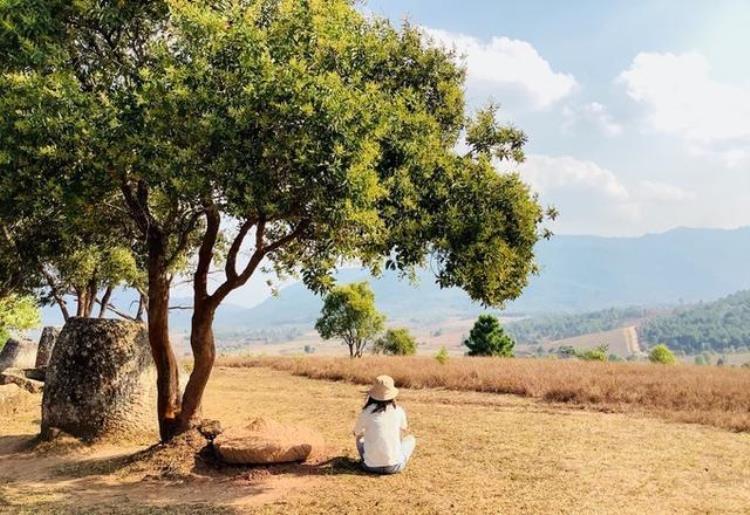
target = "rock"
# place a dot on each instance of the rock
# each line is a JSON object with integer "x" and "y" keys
{"x": 266, "y": 441}
{"x": 20, "y": 378}
{"x": 210, "y": 429}
{"x": 46, "y": 344}
{"x": 100, "y": 382}
{"x": 35, "y": 373}
{"x": 17, "y": 354}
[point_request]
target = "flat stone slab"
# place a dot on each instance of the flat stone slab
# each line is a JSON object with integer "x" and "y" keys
{"x": 18, "y": 377}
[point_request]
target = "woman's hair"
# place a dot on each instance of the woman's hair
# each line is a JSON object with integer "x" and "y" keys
{"x": 379, "y": 405}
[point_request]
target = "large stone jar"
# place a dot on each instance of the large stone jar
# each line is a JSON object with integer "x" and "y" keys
{"x": 100, "y": 382}
{"x": 46, "y": 344}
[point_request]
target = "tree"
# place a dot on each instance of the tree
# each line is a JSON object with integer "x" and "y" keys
{"x": 298, "y": 134}
{"x": 442, "y": 355}
{"x": 17, "y": 314}
{"x": 661, "y": 354}
{"x": 349, "y": 313}
{"x": 396, "y": 342}
{"x": 488, "y": 338}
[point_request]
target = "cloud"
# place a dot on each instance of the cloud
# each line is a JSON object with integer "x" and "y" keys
{"x": 593, "y": 200}
{"x": 546, "y": 174}
{"x": 683, "y": 99}
{"x": 662, "y": 192}
{"x": 508, "y": 63}
{"x": 593, "y": 113}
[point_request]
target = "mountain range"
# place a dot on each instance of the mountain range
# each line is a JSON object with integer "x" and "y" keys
{"x": 578, "y": 273}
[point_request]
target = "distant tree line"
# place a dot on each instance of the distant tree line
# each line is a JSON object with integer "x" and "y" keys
{"x": 721, "y": 326}
{"x": 556, "y": 327}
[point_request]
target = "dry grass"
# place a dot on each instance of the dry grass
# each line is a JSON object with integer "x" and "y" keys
{"x": 707, "y": 395}
{"x": 476, "y": 453}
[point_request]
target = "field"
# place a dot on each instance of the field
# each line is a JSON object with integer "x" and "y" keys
{"x": 708, "y": 395}
{"x": 477, "y": 453}
{"x": 622, "y": 341}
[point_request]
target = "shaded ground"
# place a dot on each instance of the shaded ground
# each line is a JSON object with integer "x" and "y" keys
{"x": 476, "y": 452}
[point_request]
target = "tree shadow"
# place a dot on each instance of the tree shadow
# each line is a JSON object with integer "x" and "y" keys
{"x": 336, "y": 466}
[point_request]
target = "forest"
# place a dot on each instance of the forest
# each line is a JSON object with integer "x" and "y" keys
{"x": 722, "y": 326}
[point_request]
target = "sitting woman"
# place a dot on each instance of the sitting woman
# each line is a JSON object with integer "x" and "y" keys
{"x": 378, "y": 430}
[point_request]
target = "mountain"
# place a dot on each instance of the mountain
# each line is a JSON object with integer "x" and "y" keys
{"x": 578, "y": 273}
{"x": 721, "y": 326}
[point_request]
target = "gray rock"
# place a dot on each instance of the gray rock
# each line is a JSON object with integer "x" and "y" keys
{"x": 17, "y": 354}
{"x": 46, "y": 344}
{"x": 20, "y": 378}
{"x": 100, "y": 382}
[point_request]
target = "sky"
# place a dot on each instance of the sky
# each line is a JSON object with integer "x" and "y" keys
{"x": 637, "y": 112}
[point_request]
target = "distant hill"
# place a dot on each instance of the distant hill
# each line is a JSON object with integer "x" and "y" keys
{"x": 721, "y": 326}
{"x": 578, "y": 274}
{"x": 553, "y": 327}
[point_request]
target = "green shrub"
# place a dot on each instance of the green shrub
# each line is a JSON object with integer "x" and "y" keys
{"x": 396, "y": 342}
{"x": 596, "y": 354}
{"x": 487, "y": 338}
{"x": 442, "y": 355}
{"x": 661, "y": 354}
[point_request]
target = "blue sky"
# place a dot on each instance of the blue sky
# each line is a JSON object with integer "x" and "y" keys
{"x": 638, "y": 113}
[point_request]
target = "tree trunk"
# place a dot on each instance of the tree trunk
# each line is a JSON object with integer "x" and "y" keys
{"x": 167, "y": 379}
{"x": 204, "y": 354}
{"x": 141, "y": 305}
{"x": 105, "y": 301}
{"x": 79, "y": 302}
{"x": 90, "y": 297}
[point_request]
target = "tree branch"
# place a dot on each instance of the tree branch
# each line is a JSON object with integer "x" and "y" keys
{"x": 230, "y": 267}
{"x": 116, "y": 311}
{"x": 206, "y": 254}
{"x": 184, "y": 237}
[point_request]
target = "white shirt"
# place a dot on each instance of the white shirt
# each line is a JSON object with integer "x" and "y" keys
{"x": 382, "y": 435}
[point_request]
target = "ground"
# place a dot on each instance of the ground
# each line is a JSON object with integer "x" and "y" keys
{"x": 476, "y": 453}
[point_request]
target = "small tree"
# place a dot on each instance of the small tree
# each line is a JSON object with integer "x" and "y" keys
{"x": 488, "y": 338}
{"x": 349, "y": 313}
{"x": 700, "y": 360}
{"x": 17, "y": 314}
{"x": 396, "y": 342}
{"x": 661, "y": 354}
{"x": 442, "y": 355}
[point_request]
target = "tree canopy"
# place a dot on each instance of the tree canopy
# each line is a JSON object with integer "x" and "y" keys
{"x": 349, "y": 313}
{"x": 300, "y": 134}
{"x": 17, "y": 314}
{"x": 396, "y": 342}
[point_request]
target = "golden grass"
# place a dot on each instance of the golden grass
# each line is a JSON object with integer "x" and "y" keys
{"x": 706, "y": 395}
{"x": 476, "y": 453}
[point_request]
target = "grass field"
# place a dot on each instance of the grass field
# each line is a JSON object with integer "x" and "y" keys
{"x": 708, "y": 395}
{"x": 476, "y": 453}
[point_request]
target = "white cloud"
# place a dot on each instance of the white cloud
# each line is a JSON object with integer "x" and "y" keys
{"x": 684, "y": 100}
{"x": 662, "y": 192}
{"x": 593, "y": 113}
{"x": 546, "y": 174}
{"x": 593, "y": 200}
{"x": 505, "y": 62}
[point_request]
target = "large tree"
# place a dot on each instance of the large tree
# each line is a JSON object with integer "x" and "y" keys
{"x": 296, "y": 134}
